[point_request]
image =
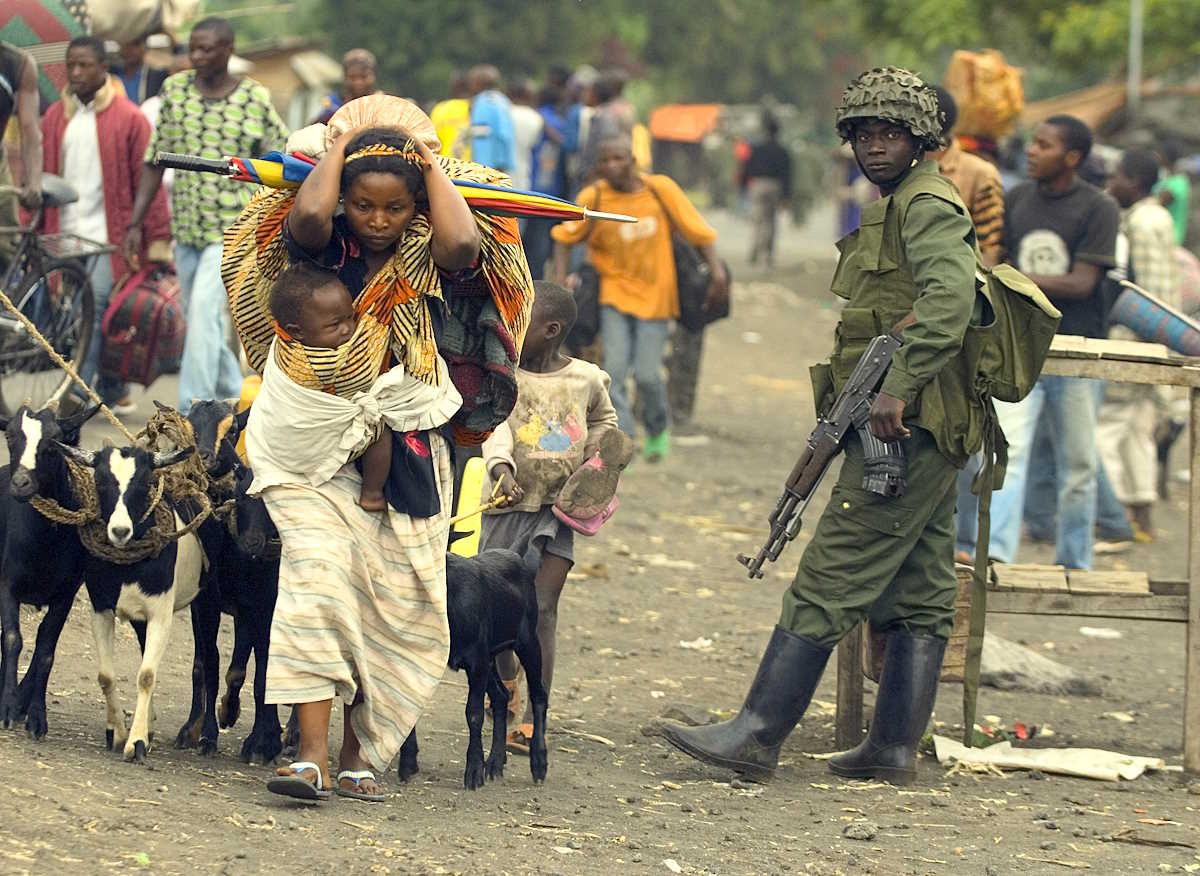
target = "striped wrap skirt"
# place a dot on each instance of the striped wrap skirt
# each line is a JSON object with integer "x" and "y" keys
{"x": 361, "y": 611}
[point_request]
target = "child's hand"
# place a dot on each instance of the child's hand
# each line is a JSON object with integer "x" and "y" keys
{"x": 507, "y": 488}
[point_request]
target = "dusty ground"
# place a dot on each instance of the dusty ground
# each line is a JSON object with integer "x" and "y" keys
{"x": 662, "y": 573}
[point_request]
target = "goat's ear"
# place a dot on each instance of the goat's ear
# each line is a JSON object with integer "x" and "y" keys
{"x": 83, "y": 457}
{"x": 160, "y": 406}
{"x": 77, "y": 419}
{"x": 164, "y": 460}
{"x": 241, "y": 418}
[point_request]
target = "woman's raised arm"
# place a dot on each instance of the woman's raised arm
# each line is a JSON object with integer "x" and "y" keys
{"x": 310, "y": 220}
{"x": 455, "y": 242}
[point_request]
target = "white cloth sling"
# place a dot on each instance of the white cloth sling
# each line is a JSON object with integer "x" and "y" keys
{"x": 301, "y": 436}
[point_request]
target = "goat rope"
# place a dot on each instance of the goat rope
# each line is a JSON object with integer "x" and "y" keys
{"x": 186, "y": 481}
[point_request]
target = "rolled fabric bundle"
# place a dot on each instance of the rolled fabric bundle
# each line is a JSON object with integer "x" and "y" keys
{"x": 383, "y": 111}
{"x": 1152, "y": 320}
{"x": 1189, "y": 280}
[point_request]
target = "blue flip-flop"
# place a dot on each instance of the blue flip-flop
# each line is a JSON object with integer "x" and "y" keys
{"x": 356, "y": 793}
{"x": 296, "y": 786}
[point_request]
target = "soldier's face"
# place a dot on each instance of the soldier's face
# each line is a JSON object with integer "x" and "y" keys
{"x": 885, "y": 151}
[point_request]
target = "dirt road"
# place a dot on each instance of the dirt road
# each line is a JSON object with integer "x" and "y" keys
{"x": 656, "y": 616}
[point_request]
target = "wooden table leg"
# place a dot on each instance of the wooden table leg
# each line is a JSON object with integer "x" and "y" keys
{"x": 1191, "y": 684}
{"x": 850, "y": 690}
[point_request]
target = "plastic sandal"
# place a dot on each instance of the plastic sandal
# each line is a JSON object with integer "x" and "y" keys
{"x": 518, "y": 739}
{"x": 357, "y": 776}
{"x": 296, "y": 786}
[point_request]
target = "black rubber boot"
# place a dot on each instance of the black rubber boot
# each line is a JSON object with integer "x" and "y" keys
{"x": 907, "y": 688}
{"x": 750, "y": 742}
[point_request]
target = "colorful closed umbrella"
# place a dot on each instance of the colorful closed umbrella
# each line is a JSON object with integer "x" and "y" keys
{"x": 279, "y": 171}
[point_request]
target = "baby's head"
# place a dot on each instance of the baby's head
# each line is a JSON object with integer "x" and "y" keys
{"x": 313, "y": 306}
{"x": 554, "y": 313}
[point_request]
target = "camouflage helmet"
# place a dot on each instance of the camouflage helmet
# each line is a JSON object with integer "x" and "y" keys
{"x": 896, "y": 95}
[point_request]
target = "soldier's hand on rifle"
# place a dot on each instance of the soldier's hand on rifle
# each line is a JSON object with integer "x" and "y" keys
{"x": 887, "y": 422}
{"x": 506, "y": 482}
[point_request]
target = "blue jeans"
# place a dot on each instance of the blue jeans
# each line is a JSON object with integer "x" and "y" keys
{"x": 1041, "y": 501}
{"x": 1068, "y": 406}
{"x": 637, "y": 344}
{"x": 209, "y": 368}
{"x": 109, "y": 390}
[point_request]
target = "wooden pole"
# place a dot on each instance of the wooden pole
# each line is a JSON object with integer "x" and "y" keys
{"x": 1191, "y": 682}
{"x": 1133, "y": 82}
{"x": 850, "y": 690}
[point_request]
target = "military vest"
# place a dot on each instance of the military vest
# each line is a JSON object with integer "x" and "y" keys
{"x": 874, "y": 277}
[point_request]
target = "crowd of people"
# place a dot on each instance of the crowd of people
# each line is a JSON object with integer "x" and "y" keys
{"x": 379, "y": 240}
{"x": 1084, "y": 455}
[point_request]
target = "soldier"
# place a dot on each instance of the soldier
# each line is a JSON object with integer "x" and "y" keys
{"x": 890, "y": 560}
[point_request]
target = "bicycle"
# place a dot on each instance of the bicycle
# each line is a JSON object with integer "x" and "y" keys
{"x": 47, "y": 278}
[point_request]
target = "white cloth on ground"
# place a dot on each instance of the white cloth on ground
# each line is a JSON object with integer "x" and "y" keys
{"x": 297, "y": 435}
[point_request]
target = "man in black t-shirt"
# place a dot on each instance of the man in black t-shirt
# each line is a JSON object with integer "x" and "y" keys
{"x": 1061, "y": 232}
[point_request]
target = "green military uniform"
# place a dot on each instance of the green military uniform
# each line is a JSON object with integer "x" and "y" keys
{"x": 889, "y": 559}
{"x": 893, "y": 559}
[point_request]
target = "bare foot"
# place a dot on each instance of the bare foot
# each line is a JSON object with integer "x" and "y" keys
{"x": 372, "y": 501}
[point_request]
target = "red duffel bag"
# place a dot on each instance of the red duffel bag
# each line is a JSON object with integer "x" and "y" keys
{"x": 143, "y": 327}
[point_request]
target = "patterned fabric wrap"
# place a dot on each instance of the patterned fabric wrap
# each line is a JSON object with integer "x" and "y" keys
{"x": 485, "y": 320}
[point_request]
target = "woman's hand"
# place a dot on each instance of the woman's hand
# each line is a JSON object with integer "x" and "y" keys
{"x": 505, "y": 477}
{"x": 428, "y": 161}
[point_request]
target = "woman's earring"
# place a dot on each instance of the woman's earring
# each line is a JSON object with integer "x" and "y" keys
{"x": 914, "y": 163}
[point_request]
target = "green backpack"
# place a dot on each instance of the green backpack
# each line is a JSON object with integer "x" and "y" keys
{"x": 1007, "y": 342}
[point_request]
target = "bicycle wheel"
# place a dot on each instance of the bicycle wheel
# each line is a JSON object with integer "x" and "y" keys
{"x": 58, "y": 301}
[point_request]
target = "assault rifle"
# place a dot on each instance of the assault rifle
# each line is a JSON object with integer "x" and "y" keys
{"x": 883, "y": 465}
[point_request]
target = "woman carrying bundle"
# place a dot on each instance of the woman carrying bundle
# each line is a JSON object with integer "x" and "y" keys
{"x": 362, "y": 596}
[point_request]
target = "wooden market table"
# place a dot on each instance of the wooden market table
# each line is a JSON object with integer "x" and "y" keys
{"x": 1049, "y": 590}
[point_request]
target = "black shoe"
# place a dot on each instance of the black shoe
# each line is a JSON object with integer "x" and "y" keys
{"x": 750, "y": 742}
{"x": 907, "y": 688}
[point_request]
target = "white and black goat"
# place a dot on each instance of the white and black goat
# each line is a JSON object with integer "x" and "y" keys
{"x": 150, "y": 590}
{"x": 42, "y": 561}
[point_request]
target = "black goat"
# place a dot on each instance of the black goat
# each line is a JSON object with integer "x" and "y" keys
{"x": 215, "y": 427}
{"x": 149, "y": 590}
{"x": 42, "y": 561}
{"x": 492, "y": 606}
{"x": 255, "y": 544}
{"x": 244, "y": 584}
